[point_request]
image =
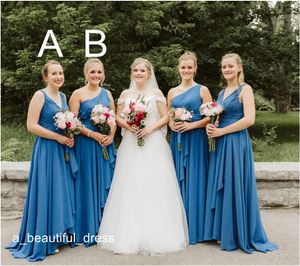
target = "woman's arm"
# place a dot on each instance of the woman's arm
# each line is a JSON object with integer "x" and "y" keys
{"x": 120, "y": 121}
{"x": 107, "y": 140}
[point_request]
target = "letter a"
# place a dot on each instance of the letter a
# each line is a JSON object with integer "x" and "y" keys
{"x": 54, "y": 46}
{"x": 88, "y": 42}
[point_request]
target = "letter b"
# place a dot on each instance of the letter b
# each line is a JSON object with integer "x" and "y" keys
{"x": 100, "y": 42}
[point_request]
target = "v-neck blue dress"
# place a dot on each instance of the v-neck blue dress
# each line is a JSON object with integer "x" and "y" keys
{"x": 191, "y": 164}
{"x": 94, "y": 176}
{"x": 49, "y": 210}
{"x": 232, "y": 209}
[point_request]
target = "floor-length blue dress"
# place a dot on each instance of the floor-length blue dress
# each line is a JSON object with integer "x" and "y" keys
{"x": 191, "y": 163}
{"x": 232, "y": 209}
{"x": 94, "y": 177}
{"x": 48, "y": 215}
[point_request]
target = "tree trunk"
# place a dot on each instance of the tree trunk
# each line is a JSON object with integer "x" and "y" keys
{"x": 281, "y": 104}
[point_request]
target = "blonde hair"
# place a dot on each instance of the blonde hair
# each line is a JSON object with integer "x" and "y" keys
{"x": 186, "y": 56}
{"x": 239, "y": 61}
{"x": 89, "y": 64}
{"x": 143, "y": 61}
{"x": 45, "y": 67}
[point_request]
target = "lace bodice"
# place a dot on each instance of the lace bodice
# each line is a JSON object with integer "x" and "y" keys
{"x": 153, "y": 113}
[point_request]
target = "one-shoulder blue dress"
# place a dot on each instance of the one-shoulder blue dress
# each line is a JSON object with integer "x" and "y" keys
{"x": 191, "y": 163}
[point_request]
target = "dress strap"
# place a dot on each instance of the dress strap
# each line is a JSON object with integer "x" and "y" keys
{"x": 43, "y": 92}
{"x": 241, "y": 87}
{"x": 221, "y": 93}
{"x": 63, "y": 97}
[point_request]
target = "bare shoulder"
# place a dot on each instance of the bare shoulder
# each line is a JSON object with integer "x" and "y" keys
{"x": 37, "y": 99}
{"x": 172, "y": 91}
{"x": 78, "y": 92}
{"x": 204, "y": 89}
{"x": 39, "y": 95}
{"x": 246, "y": 90}
{"x": 109, "y": 93}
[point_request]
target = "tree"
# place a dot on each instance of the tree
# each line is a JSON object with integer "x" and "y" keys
{"x": 159, "y": 31}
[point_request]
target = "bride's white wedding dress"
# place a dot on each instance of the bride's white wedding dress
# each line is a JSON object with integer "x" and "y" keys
{"x": 144, "y": 211}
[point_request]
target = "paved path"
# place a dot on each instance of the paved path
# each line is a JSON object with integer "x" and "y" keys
{"x": 282, "y": 226}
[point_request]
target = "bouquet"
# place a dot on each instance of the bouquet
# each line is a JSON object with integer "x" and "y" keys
{"x": 69, "y": 123}
{"x": 180, "y": 114}
{"x": 103, "y": 118}
{"x": 136, "y": 114}
{"x": 211, "y": 110}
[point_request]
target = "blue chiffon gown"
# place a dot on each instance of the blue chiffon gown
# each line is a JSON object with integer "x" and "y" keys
{"x": 232, "y": 209}
{"x": 48, "y": 215}
{"x": 94, "y": 177}
{"x": 191, "y": 164}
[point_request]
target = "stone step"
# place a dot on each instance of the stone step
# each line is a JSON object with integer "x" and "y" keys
{"x": 277, "y": 185}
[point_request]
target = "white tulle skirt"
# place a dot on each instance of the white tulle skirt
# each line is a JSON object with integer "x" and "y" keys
{"x": 144, "y": 211}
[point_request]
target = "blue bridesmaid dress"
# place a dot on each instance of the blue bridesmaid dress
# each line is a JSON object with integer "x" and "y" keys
{"x": 94, "y": 176}
{"x": 49, "y": 211}
{"x": 191, "y": 164}
{"x": 232, "y": 209}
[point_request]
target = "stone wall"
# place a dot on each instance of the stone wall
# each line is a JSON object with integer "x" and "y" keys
{"x": 277, "y": 183}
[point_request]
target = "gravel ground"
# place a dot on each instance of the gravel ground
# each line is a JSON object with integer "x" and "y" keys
{"x": 281, "y": 225}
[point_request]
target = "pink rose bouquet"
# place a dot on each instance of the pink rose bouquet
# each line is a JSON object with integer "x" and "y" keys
{"x": 103, "y": 118}
{"x": 69, "y": 123}
{"x": 180, "y": 114}
{"x": 136, "y": 114}
{"x": 211, "y": 110}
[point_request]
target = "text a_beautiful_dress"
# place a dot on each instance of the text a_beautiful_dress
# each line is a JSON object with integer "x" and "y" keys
{"x": 144, "y": 212}
{"x": 232, "y": 209}
{"x": 49, "y": 208}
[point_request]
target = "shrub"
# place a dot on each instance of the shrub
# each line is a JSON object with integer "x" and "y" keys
{"x": 269, "y": 137}
{"x": 261, "y": 103}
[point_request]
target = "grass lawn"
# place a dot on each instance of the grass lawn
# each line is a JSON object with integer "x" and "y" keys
{"x": 16, "y": 142}
{"x": 287, "y": 125}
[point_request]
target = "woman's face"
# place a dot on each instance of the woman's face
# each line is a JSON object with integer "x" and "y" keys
{"x": 55, "y": 77}
{"x": 140, "y": 74}
{"x": 230, "y": 68}
{"x": 95, "y": 74}
{"x": 187, "y": 69}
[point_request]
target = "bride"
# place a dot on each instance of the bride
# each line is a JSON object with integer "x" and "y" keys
{"x": 144, "y": 212}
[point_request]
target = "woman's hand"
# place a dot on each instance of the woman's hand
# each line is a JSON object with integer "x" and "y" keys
{"x": 133, "y": 128}
{"x": 66, "y": 141}
{"x": 107, "y": 140}
{"x": 144, "y": 132}
{"x": 214, "y": 132}
{"x": 173, "y": 126}
{"x": 183, "y": 126}
{"x": 97, "y": 136}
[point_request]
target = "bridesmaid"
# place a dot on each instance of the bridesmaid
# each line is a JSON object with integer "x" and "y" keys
{"x": 95, "y": 172}
{"x": 48, "y": 215}
{"x": 191, "y": 161}
{"x": 232, "y": 210}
